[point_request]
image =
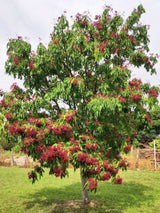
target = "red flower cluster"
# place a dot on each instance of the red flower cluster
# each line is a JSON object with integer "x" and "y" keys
{"x": 60, "y": 130}
{"x": 105, "y": 164}
{"x": 131, "y": 38}
{"x": 70, "y": 116}
{"x": 63, "y": 154}
{"x": 34, "y": 121}
{"x": 85, "y": 22}
{"x": 91, "y": 137}
{"x": 16, "y": 129}
{"x": 128, "y": 148}
{"x": 97, "y": 25}
{"x": 39, "y": 148}
{"x": 49, "y": 124}
{"x": 3, "y": 103}
{"x": 74, "y": 149}
{"x": 128, "y": 139}
{"x": 112, "y": 169}
{"x": 56, "y": 41}
{"x": 135, "y": 97}
{"x": 91, "y": 146}
{"x": 8, "y": 115}
{"x": 102, "y": 46}
{"x": 118, "y": 180}
{"x": 106, "y": 176}
{"x": 87, "y": 37}
{"x": 75, "y": 81}
{"x": 113, "y": 35}
{"x": 40, "y": 134}
{"x": 96, "y": 34}
{"x": 117, "y": 50}
{"x": 121, "y": 163}
{"x": 55, "y": 151}
{"x": 135, "y": 83}
{"x": 92, "y": 184}
{"x": 97, "y": 122}
{"x": 83, "y": 137}
{"x": 121, "y": 99}
{"x": 107, "y": 154}
{"x": 58, "y": 171}
{"x": 91, "y": 161}
{"x": 82, "y": 157}
{"x": 73, "y": 141}
{"x": 153, "y": 93}
{"x": 31, "y": 65}
{"x": 125, "y": 29}
{"x": 28, "y": 141}
{"x": 134, "y": 134}
{"x": 16, "y": 60}
{"x": 13, "y": 87}
{"x": 31, "y": 132}
{"x": 50, "y": 153}
{"x": 147, "y": 117}
{"x": 31, "y": 175}
{"x": 93, "y": 171}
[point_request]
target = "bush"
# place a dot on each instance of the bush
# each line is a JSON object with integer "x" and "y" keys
{"x": 157, "y": 142}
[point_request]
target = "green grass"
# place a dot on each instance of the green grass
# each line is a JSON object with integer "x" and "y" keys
{"x": 140, "y": 192}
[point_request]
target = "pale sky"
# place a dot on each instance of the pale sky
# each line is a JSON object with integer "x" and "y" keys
{"x": 35, "y": 19}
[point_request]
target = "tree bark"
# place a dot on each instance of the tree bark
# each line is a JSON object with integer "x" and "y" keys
{"x": 85, "y": 194}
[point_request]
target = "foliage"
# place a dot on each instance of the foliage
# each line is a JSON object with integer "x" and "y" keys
{"x": 79, "y": 106}
{"x": 146, "y": 134}
{"x": 155, "y": 116}
{"x": 5, "y": 142}
{"x": 157, "y": 143}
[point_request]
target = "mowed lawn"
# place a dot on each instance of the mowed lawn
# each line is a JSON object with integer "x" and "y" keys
{"x": 140, "y": 192}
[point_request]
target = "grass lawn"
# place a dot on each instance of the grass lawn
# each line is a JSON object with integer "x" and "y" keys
{"x": 139, "y": 193}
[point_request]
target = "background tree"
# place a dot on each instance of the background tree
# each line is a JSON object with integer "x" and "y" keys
{"x": 146, "y": 134}
{"x": 79, "y": 106}
{"x": 155, "y": 116}
{"x": 7, "y": 142}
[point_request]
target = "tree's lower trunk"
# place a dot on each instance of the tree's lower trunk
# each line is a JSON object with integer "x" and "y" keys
{"x": 12, "y": 158}
{"x": 85, "y": 194}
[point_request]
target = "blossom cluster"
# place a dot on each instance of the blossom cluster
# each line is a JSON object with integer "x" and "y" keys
{"x": 91, "y": 146}
{"x": 135, "y": 97}
{"x": 135, "y": 83}
{"x": 153, "y": 93}
{"x": 58, "y": 171}
{"x": 55, "y": 151}
{"x": 91, "y": 184}
{"x": 60, "y": 130}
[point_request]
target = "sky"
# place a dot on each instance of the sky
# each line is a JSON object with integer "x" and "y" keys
{"x": 34, "y": 21}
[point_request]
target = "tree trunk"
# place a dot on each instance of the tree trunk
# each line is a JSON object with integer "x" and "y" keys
{"x": 12, "y": 158}
{"x": 85, "y": 194}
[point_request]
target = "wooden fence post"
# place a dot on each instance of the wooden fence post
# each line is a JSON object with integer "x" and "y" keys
{"x": 155, "y": 162}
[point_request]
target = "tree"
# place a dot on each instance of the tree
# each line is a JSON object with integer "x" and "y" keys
{"x": 155, "y": 116}
{"x": 146, "y": 134}
{"x": 5, "y": 142}
{"x": 79, "y": 106}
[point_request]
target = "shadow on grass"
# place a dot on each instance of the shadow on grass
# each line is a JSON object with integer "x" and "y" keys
{"x": 110, "y": 198}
